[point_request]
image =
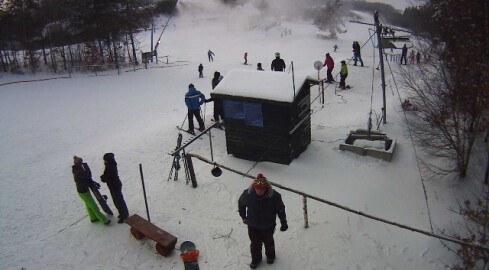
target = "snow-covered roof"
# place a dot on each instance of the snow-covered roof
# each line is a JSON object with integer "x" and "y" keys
{"x": 267, "y": 85}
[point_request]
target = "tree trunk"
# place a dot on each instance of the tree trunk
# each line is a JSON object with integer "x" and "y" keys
{"x": 133, "y": 48}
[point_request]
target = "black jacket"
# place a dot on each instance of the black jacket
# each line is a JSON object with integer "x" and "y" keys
{"x": 278, "y": 64}
{"x": 261, "y": 212}
{"x": 111, "y": 175}
{"x": 356, "y": 49}
{"x": 82, "y": 176}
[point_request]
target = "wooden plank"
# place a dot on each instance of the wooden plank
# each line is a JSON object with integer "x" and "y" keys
{"x": 151, "y": 231}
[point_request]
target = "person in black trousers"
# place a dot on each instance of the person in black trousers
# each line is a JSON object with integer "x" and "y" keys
{"x": 111, "y": 177}
{"x": 259, "y": 205}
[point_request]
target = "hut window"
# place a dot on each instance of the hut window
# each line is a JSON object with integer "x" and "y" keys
{"x": 250, "y": 112}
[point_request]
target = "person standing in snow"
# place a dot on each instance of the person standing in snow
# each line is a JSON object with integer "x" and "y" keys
{"x": 278, "y": 64}
{"x": 218, "y": 107}
{"x": 411, "y": 57}
{"x": 211, "y": 55}
{"x": 356, "y": 53}
{"x": 258, "y": 67}
{"x": 111, "y": 178}
{"x": 404, "y": 54}
{"x": 335, "y": 47}
{"x": 193, "y": 100}
{"x": 343, "y": 75}
{"x": 83, "y": 179}
{"x": 201, "y": 71}
{"x": 246, "y": 58}
{"x": 259, "y": 205}
{"x": 329, "y": 64}
{"x": 418, "y": 58}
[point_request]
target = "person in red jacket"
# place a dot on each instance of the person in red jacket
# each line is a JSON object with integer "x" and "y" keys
{"x": 329, "y": 64}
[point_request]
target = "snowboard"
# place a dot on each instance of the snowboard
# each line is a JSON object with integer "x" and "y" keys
{"x": 102, "y": 200}
{"x": 189, "y": 255}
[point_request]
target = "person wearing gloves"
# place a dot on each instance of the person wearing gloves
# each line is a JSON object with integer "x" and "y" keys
{"x": 193, "y": 100}
{"x": 83, "y": 179}
{"x": 259, "y": 206}
{"x": 111, "y": 177}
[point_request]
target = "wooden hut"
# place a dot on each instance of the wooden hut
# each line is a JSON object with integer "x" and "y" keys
{"x": 266, "y": 118}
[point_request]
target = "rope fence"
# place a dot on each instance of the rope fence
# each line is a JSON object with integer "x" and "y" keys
{"x": 305, "y": 196}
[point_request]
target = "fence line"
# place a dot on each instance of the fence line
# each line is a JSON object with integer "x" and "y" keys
{"x": 305, "y": 195}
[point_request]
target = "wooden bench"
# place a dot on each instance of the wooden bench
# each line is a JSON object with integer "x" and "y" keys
{"x": 140, "y": 228}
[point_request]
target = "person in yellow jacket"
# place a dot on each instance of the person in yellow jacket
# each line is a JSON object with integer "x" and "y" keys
{"x": 343, "y": 75}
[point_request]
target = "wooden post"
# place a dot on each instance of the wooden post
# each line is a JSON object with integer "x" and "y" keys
{"x": 144, "y": 191}
{"x": 306, "y": 220}
{"x": 190, "y": 168}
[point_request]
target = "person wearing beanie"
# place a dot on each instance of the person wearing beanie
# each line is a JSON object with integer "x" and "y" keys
{"x": 329, "y": 64}
{"x": 83, "y": 179}
{"x": 343, "y": 75}
{"x": 259, "y": 205}
{"x": 278, "y": 64}
{"x": 111, "y": 177}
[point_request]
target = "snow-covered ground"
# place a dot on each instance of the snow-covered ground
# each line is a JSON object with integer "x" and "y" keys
{"x": 43, "y": 223}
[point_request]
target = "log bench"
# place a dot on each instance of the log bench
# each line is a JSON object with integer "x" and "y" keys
{"x": 140, "y": 228}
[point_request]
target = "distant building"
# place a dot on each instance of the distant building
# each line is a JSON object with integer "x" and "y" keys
{"x": 264, "y": 119}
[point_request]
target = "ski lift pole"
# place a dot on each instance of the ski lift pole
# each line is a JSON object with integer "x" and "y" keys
{"x": 293, "y": 77}
{"x": 378, "y": 29}
{"x": 144, "y": 191}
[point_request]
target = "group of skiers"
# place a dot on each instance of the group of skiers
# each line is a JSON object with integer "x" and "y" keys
{"x": 83, "y": 180}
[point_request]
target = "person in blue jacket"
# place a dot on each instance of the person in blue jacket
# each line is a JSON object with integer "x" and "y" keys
{"x": 193, "y": 100}
{"x": 259, "y": 206}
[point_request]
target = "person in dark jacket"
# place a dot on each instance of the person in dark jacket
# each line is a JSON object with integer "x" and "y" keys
{"x": 111, "y": 178}
{"x": 218, "y": 107}
{"x": 83, "y": 179}
{"x": 258, "y": 67}
{"x": 193, "y": 100}
{"x": 356, "y": 53}
{"x": 201, "y": 71}
{"x": 211, "y": 55}
{"x": 246, "y": 58}
{"x": 404, "y": 54}
{"x": 278, "y": 64}
{"x": 259, "y": 206}
{"x": 329, "y": 64}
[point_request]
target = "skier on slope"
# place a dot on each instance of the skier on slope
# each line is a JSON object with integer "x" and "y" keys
{"x": 201, "y": 70}
{"x": 356, "y": 53}
{"x": 259, "y": 205}
{"x": 278, "y": 64}
{"x": 210, "y": 55}
{"x": 343, "y": 75}
{"x": 83, "y": 179}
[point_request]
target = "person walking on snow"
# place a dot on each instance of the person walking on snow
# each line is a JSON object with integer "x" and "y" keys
{"x": 111, "y": 178}
{"x": 356, "y": 53}
{"x": 343, "y": 75}
{"x": 83, "y": 180}
{"x": 246, "y": 58}
{"x": 329, "y": 64}
{"x": 211, "y": 55}
{"x": 278, "y": 64}
{"x": 193, "y": 100}
{"x": 201, "y": 71}
{"x": 335, "y": 47}
{"x": 218, "y": 107}
{"x": 259, "y": 205}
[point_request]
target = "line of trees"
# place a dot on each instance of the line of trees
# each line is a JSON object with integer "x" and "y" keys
{"x": 450, "y": 92}
{"x": 80, "y": 32}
